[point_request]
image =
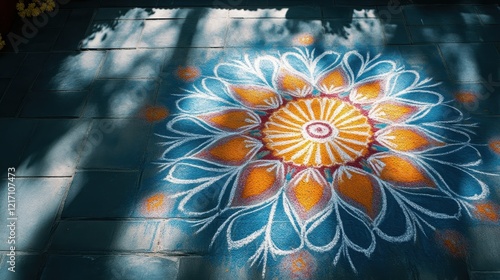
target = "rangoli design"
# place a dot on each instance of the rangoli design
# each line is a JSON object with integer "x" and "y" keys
{"x": 328, "y": 144}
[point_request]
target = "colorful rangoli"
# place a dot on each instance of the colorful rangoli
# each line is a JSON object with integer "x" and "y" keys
{"x": 329, "y": 144}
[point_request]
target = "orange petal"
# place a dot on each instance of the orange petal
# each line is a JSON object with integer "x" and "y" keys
{"x": 299, "y": 265}
{"x": 495, "y": 146}
{"x": 308, "y": 192}
{"x": 400, "y": 171}
{"x": 259, "y": 181}
{"x": 488, "y": 212}
{"x": 407, "y": 139}
{"x": 392, "y": 112}
{"x": 233, "y": 150}
{"x": 188, "y": 73}
{"x": 154, "y": 204}
{"x": 465, "y": 97}
{"x": 453, "y": 242}
{"x": 256, "y": 97}
{"x": 155, "y": 113}
{"x": 293, "y": 84}
{"x": 334, "y": 81}
{"x": 360, "y": 189}
{"x": 232, "y": 120}
{"x": 304, "y": 39}
{"x": 367, "y": 92}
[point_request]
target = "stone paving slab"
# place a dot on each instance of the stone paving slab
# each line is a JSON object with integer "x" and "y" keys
{"x": 209, "y": 32}
{"x": 108, "y": 139}
{"x": 488, "y": 14}
{"x": 35, "y": 219}
{"x": 141, "y": 64}
{"x": 120, "y": 98}
{"x": 54, "y": 104}
{"x": 111, "y": 267}
{"x": 440, "y": 14}
{"x": 74, "y": 30}
{"x": 27, "y": 266}
{"x": 104, "y": 236}
{"x": 11, "y": 147}
{"x": 116, "y": 197}
{"x": 21, "y": 84}
{"x": 54, "y": 148}
{"x": 486, "y": 64}
{"x": 10, "y": 63}
{"x": 59, "y": 76}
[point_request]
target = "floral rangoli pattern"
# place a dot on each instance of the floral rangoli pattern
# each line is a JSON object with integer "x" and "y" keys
{"x": 329, "y": 142}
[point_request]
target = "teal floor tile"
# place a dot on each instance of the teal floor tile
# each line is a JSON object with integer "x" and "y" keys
{"x": 70, "y": 71}
{"x": 27, "y": 266}
{"x": 396, "y": 33}
{"x": 271, "y": 32}
{"x": 36, "y": 218}
{"x": 54, "y": 148}
{"x": 355, "y": 33}
{"x": 425, "y": 58}
{"x": 484, "y": 248}
{"x": 54, "y": 104}
{"x": 479, "y": 275}
{"x": 12, "y": 147}
{"x": 451, "y": 34}
{"x": 144, "y": 64}
{"x": 43, "y": 41}
{"x": 293, "y": 12}
{"x": 471, "y": 62}
{"x": 348, "y": 12}
{"x": 131, "y": 3}
{"x": 10, "y": 63}
{"x": 440, "y": 14}
{"x": 73, "y": 32}
{"x": 21, "y": 84}
{"x": 118, "y": 144}
{"x": 117, "y": 192}
{"x": 120, "y": 98}
{"x": 488, "y": 14}
{"x": 113, "y": 34}
{"x": 4, "y": 83}
{"x": 90, "y": 235}
{"x": 193, "y": 31}
{"x": 102, "y": 267}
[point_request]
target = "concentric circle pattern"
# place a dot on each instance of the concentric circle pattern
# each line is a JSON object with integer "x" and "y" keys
{"x": 317, "y": 132}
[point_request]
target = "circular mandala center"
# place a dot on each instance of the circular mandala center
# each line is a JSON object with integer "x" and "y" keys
{"x": 317, "y": 132}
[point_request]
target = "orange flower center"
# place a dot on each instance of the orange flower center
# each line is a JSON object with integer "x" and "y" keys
{"x": 317, "y": 132}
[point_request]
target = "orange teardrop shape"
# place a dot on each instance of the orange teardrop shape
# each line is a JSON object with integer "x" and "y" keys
{"x": 231, "y": 120}
{"x": 407, "y": 139}
{"x": 359, "y": 188}
{"x": 334, "y": 81}
{"x": 256, "y": 97}
{"x": 400, "y": 171}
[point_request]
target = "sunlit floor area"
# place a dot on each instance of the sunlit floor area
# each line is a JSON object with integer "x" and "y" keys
{"x": 239, "y": 139}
